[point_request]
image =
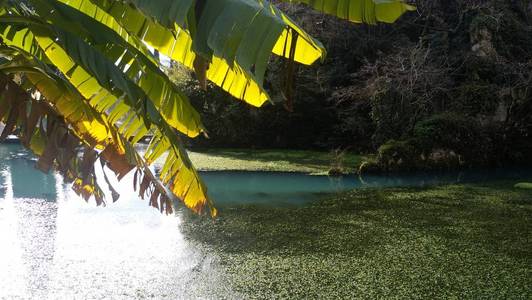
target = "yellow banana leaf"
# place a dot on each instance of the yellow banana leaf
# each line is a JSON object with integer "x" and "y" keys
{"x": 361, "y": 11}
{"x": 240, "y": 77}
{"x": 186, "y": 184}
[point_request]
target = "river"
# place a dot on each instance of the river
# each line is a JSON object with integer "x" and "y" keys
{"x": 56, "y": 246}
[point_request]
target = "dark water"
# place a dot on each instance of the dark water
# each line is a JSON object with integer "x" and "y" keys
{"x": 53, "y": 245}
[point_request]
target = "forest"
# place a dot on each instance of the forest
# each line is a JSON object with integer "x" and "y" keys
{"x": 447, "y": 86}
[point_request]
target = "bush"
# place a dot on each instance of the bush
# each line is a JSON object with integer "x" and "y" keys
{"x": 398, "y": 156}
{"x": 449, "y": 131}
{"x": 473, "y": 144}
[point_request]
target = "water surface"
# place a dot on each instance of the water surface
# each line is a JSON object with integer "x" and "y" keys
{"x": 55, "y": 246}
{"x": 278, "y": 188}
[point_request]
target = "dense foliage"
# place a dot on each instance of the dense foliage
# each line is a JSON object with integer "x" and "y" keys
{"x": 454, "y": 77}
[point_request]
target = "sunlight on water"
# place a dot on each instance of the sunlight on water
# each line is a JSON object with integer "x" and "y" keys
{"x": 12, "y": 271}
{"x": 60, "y": 247}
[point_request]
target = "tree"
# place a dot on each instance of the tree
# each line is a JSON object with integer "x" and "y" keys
{"x": 80, "y": 84}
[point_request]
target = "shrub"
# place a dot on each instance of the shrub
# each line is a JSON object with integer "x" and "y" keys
{"x": 398, "y": 156}
{"x": 448, "y": 131}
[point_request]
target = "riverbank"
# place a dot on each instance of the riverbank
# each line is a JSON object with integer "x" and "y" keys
{"x": 458, "y": 241}
{"x": 270, "y": 160}
{"x": 303, "y": 161}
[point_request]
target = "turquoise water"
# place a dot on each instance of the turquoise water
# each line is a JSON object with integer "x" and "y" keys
{"x": 274, "y": 188}
{"x": 26, "y": 182}
{"x": 237, "y": 187}
{"x": 55, "y": 246}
